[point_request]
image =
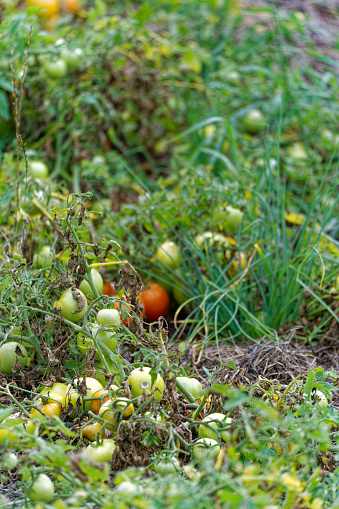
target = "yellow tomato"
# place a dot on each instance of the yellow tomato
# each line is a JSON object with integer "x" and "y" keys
{"x": 50, "y": 410}
{"x": 48, "y": 7}
{"x": 91, "y": 431}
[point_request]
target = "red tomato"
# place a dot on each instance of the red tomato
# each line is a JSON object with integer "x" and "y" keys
{"x": 109, "y": 289}
{"x": 156, "y": 301}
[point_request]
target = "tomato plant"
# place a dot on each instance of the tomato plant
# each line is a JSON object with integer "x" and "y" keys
{"x": 44, "y": 258}
{"x": 85, "y": 344}
{"x": 103, "y": 396}
{"x": 156, "y": 301}
{"x": 72, "y": 58}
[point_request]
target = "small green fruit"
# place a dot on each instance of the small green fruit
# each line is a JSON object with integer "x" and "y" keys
{"x": 254, "y": 121}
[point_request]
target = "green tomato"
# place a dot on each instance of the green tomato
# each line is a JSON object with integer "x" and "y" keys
{"x": 141, "y": 381}
{"x": 9, "y": 354}
{"x": 168, "y": 253}
{"x": 297, "y": 153}
{"x": 216, "y": 240}
{"x": 192, "y": 473}
{"x": 192, "y": 385}
{"x": 85, "y": 344}
{"x": 205, "y": 448}
{"x": 69, "y": 305}
{"x": 233, "y": 78}
{"x": 9, "y": 461}
{"x": 98, "y": 283}
{"x": 102, "y": 453}
{"x": 213, "y": 239}
{"x": 59, "y": 388}
{"x": 329, "y": 141}
{"x": 171, "y": 466}
{"x": 72, "y": 58}
{"x": 254, "y": 121}
{"x": 128, "y": 489}
{"x": 44, "y": 258}
{"x": 207, "y": 432}
{"x": 42, "y": 489}
{"x": 233, "y": 219}
{"x": 321, "y": 398}
{"x": 108, "y": 317}
{"x": 55, "y": 69}
{"x": 37, "y": 170}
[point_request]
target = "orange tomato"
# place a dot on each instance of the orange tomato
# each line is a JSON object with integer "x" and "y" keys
{"x": 103, "y": 394}
{"x": 124, "y": 309}
{"x": 127, "y": 308}
{"x": 72, "y": 6}
{"x": 109, "y": 289}
{"x": 49, "y": 7}
{"x": 97, "y": 403}
{"x": 156, "y": 301}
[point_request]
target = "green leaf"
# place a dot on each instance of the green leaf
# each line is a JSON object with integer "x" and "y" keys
{"x": 4, "y": 106}
{"x": 231, "y": 365}
{"x": 6, "y": 85}
{"x": 6, "y": 412}
{"x": 309, "y": 383}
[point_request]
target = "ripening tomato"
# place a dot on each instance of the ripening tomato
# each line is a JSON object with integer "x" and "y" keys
{"x": 103, "y": 394}
{"x": 124, "y": 311}
{"x": 156, "y": 301}
{"x": 91, "y": 431}
{"x": 51, "y": 409}
{"x": 109, "y": 289}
